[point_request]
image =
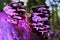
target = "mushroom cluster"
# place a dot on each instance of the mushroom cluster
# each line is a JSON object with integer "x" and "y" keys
{"x": 40, "y": 20}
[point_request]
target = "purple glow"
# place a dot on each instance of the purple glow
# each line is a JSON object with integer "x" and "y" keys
{"x": 45, "y": 19}
{"x": 41, "y": 9}
{"x": 15, "y": 5}
{"x": 36, "y": 18}
{"x": 9, "y": 10}
{"x": 35, "y": 14}
{"x": 47, "y": 14}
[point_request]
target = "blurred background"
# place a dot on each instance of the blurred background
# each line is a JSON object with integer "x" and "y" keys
{"x": 54, "y": 7}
